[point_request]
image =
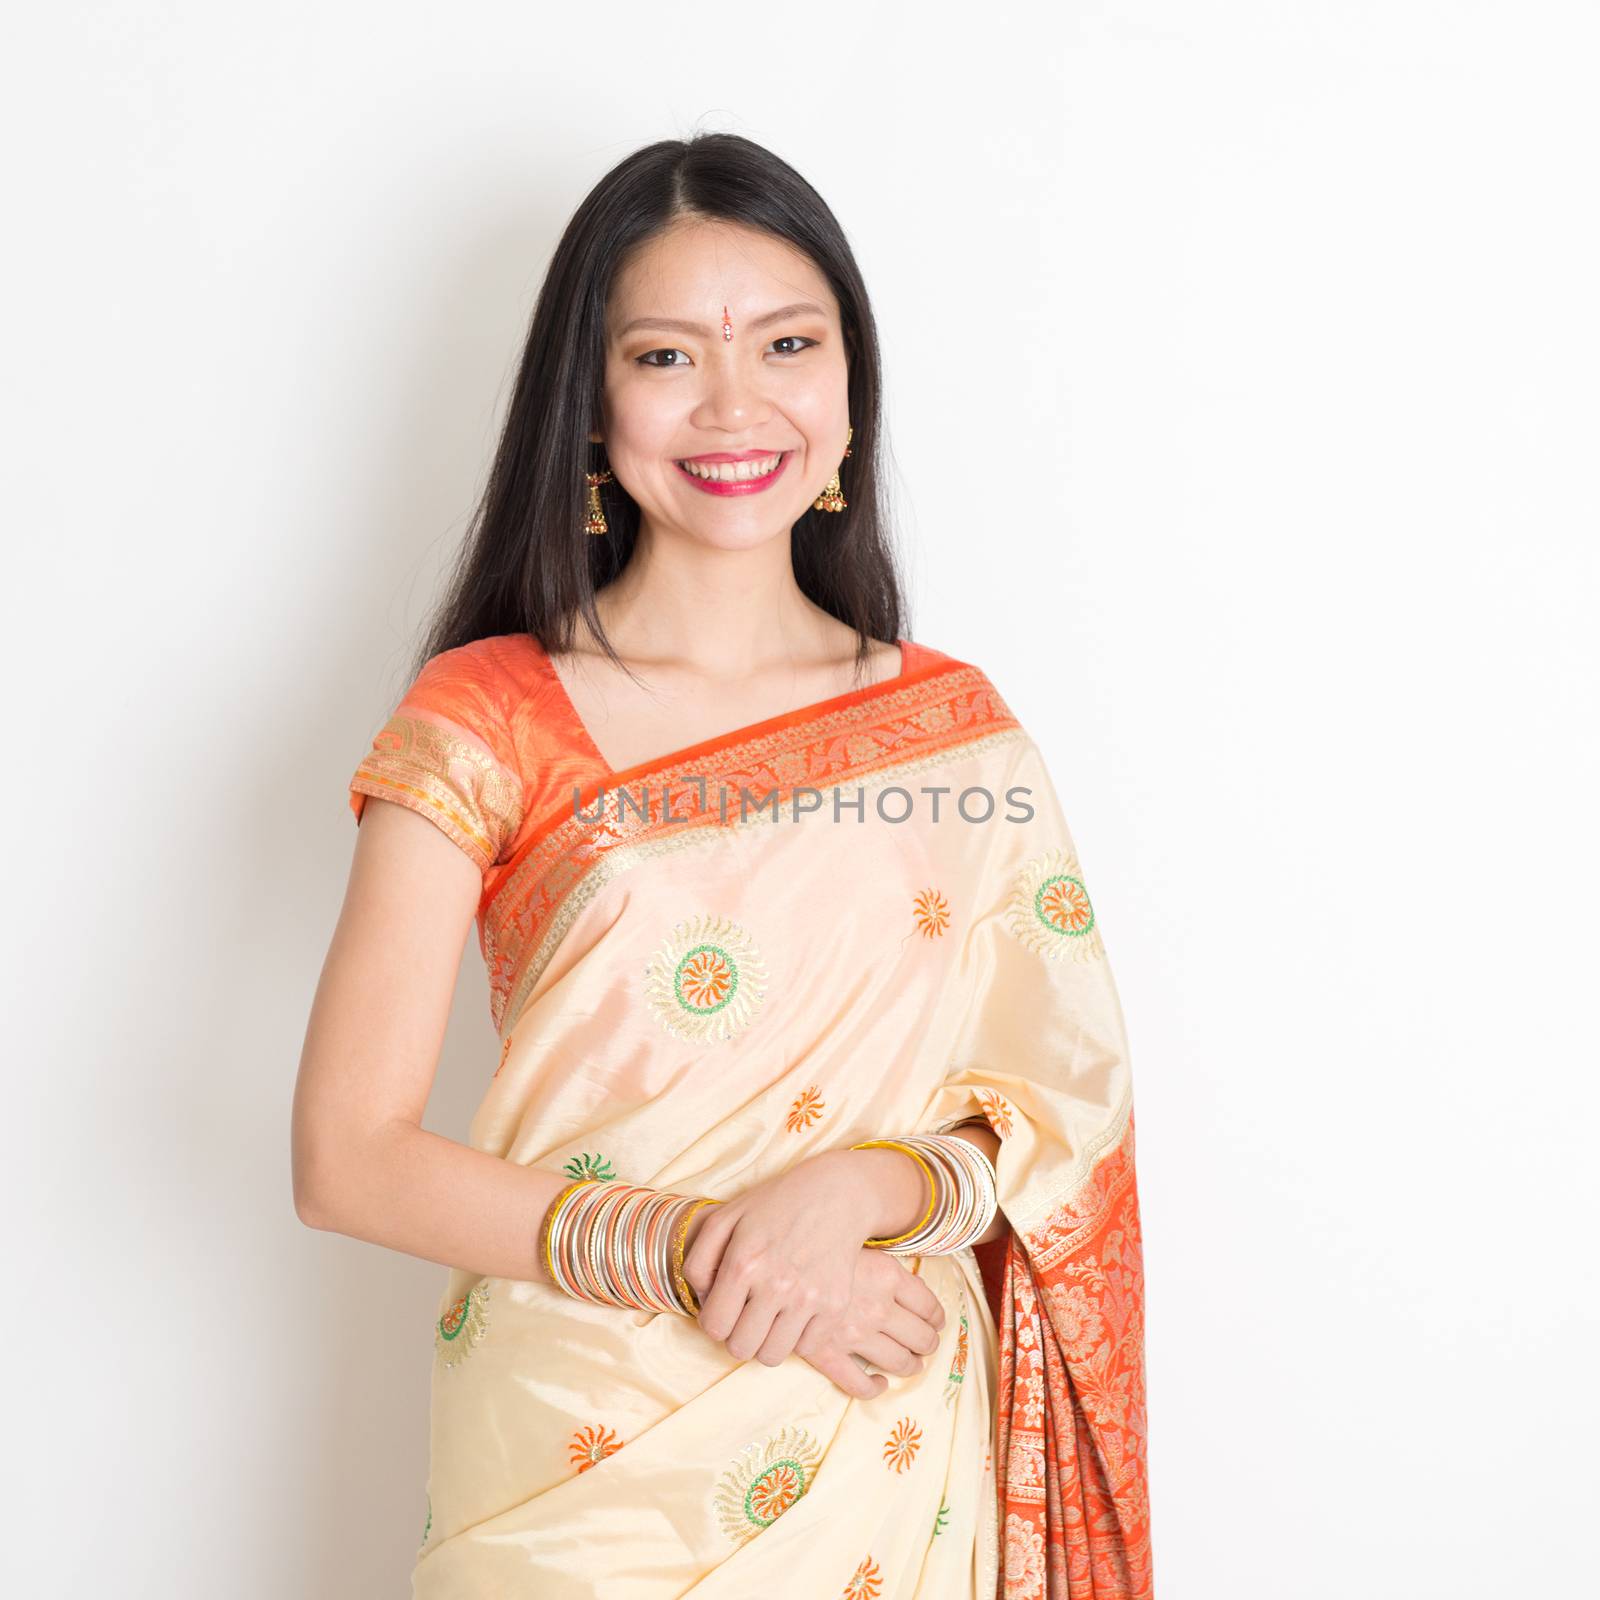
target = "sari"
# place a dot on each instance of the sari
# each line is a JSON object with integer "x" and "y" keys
{"x": 862, "y": 918}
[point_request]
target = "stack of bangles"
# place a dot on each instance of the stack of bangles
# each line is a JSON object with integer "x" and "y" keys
{"x": 962, "y": 1194}
{"x": 621, "y": 1244}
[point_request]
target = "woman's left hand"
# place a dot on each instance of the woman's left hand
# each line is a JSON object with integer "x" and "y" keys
{"x": 764, "y": 1263}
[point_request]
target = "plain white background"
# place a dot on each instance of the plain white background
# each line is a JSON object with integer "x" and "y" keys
{"x": 1241, "y": 367}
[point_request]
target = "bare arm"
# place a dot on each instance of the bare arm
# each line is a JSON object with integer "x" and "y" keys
{"x": 363, "y": 1165}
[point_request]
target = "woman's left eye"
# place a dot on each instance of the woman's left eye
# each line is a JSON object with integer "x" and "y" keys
{"x": 794, "y": 338}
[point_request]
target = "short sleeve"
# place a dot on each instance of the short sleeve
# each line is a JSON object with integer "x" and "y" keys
{"x": 446, "y": 753}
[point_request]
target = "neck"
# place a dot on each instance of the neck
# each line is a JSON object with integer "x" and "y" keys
{"x": 725, "y": 612}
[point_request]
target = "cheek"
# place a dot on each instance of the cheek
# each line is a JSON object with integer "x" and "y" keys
{"x": 823, "y": 405}
{"x": 640, "y": 421}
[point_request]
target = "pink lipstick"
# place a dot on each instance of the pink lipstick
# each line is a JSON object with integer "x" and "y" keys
{"x": 735, "y": 486}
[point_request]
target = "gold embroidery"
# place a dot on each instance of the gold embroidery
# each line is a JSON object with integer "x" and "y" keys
{"x": 1050, "y": 910}
{"x": 707, "y": 980}
{"x": 461, "y": 1329}
{"x": 446, "y": 778}
{"x": 1053, "y": 1229}
{"x": 764, "y": 1480}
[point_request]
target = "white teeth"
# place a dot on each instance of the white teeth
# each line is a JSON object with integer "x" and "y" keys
{"x": 732, "y": 471}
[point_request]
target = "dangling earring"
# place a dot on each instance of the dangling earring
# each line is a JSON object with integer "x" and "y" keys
{"x": 832, "y": 496}
{"x": 597, "y": 516}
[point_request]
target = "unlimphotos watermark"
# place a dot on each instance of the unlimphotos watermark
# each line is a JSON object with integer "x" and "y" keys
{"x": 889, "y": 803}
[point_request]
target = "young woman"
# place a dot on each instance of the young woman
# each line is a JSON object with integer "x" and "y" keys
{"x": 795, "y": 1248}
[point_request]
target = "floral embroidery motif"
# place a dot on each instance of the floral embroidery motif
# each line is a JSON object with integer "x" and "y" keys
{"x": 764, "y": 1481}
{"x": 958, "y": 1364}
{"x": 808, "y": 1106}
{"x": 590, "y": 1166}
{"x": 461, "y": 1329}
{"x": 942, "y": 1518}
{"x": 900, "y": 1448}
{"x": 505, "y": 1050}
{"x": 996, "y": 1109}
{"x": 1050, "y": 909}
{"x": 1078, "y": 1321}
{"x": 932, "y": 913}
{"x": 707, "y": 979}
{"x": 591, "y": 1445}
{"x": 865, "y": 1583}
{"x": 428, "y": 1524}
{"x": 1024, "y": 1556}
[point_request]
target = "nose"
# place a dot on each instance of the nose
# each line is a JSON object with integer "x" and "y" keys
{"x": 734, "y": 397}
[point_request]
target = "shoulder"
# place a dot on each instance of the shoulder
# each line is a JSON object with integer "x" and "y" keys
{"x": 481, "y": 684}
{"x": 540, "y": 733}
{"x": 486, "y": 668}
{"x": 966, "y": 680}
{"x": 920, "y": 658}
{"x": 448, "y": 753}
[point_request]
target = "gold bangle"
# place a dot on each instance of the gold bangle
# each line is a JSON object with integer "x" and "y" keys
{"x": 927, "y": 1172}
{"x": 680, "y": 1239}
{"x": 549, "y": 1222}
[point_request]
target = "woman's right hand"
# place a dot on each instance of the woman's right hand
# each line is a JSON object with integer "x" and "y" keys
{"x": 891, "y": 1319}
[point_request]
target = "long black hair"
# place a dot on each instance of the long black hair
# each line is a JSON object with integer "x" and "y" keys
{"x": 526, "y": 564}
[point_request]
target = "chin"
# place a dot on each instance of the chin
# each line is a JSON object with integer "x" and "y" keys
{"x": 729, "y": 534}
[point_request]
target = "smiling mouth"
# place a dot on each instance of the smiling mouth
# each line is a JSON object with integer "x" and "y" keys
{"x": 734, "y": 471}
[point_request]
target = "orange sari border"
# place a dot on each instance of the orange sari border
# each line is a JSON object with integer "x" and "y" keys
{"x": 1071, "y": 1432}
{"x": 876, "y": 732}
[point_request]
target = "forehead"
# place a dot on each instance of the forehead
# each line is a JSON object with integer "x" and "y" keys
{"x": 694, "y": 268}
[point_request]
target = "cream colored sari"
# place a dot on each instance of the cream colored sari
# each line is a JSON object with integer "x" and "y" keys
{"x": 697, "y": 1003}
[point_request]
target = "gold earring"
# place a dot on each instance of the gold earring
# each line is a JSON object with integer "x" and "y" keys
{"x": 597, "y": 517}
{"x": 832, "y": 496}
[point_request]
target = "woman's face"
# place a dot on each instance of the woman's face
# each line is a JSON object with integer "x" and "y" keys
{"x": 677, "y": 389}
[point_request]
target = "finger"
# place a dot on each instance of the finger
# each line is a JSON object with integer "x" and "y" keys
{"x": 704, "y": 1255}
{"x": 883, "y": 1351}
{"x": 751, "y": 1329}
{"x": 709, "y": 1250}
{"x": 723, "y": 1303}
{"x": 787, "y": 1327}
{"x": 914, "y": 1294}
{"x": 912, "y": 1330}
{"x": 846, "y": 1373}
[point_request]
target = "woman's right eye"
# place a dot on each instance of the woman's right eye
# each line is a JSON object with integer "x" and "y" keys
{"x": 645, "y": 360}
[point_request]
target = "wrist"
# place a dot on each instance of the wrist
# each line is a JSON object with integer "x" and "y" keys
{"x": 976, "y": 1130}
{"x": 894, "y": 1189}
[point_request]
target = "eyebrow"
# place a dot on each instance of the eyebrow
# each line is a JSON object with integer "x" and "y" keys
{"x": 674, "y": 325}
